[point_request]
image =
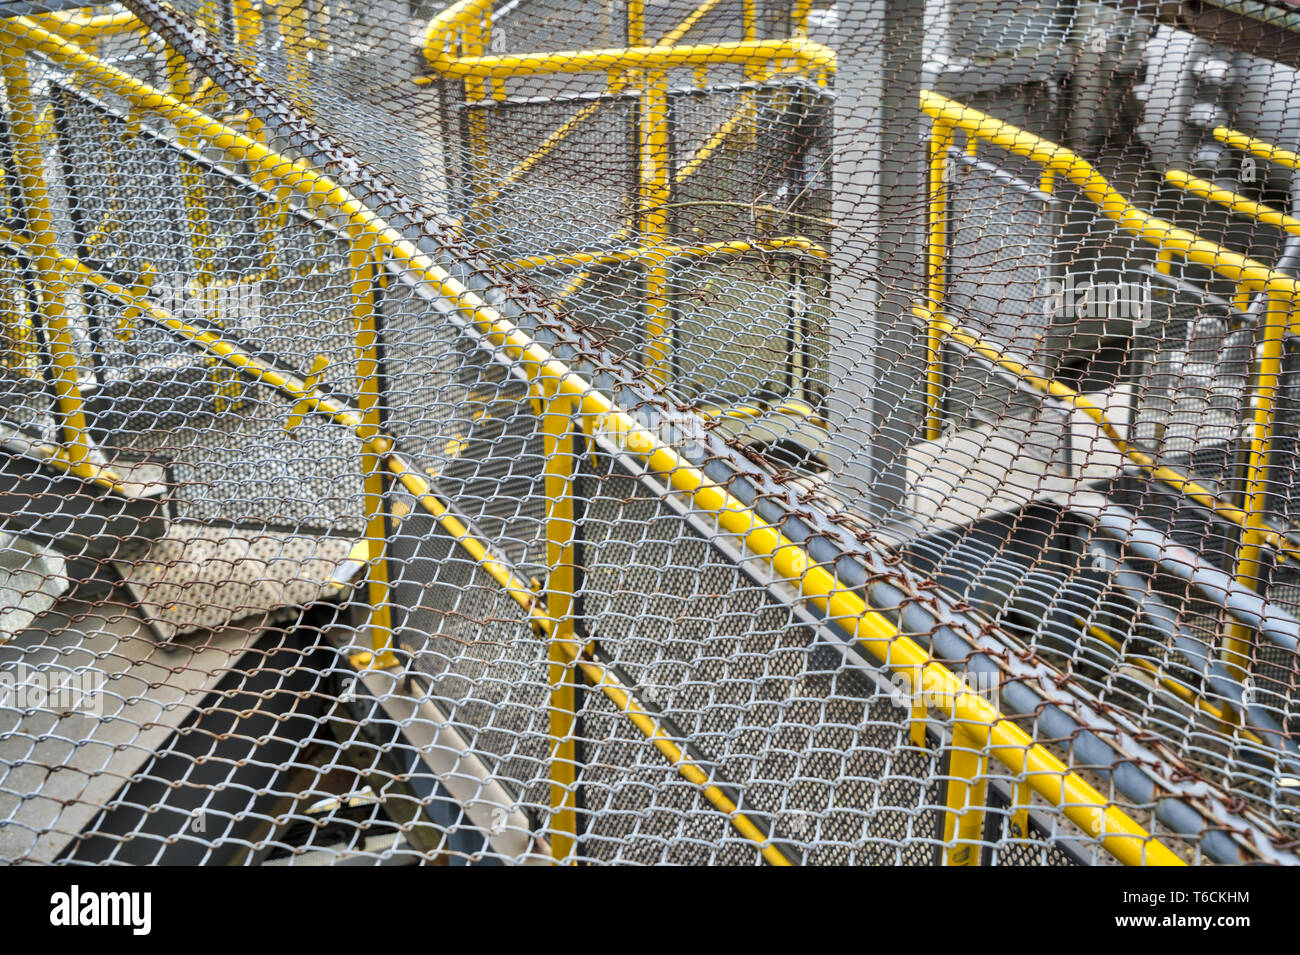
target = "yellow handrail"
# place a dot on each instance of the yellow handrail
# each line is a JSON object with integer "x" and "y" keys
{"x": 1006, "y": 741}
{"x": 1233, "y": 266}
{"x": 616, "y": 85}
{"x": 751, "y": 411}
{"x": 1257, "y": 147}
{"x": 809, "y": 55}
{"x": 1234, "y": 201}
{"x": 443, "y": 31}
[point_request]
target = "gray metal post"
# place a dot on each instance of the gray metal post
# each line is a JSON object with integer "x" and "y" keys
{"x": 877, "y": 348}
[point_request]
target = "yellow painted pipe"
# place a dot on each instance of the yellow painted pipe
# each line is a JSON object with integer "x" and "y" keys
{"x": 1180, "y": 690}
{"x": 446, "y": 24}
{"x": 82, "y": 27}
{"x": 965, "y": 800}
{"x": 365, "y": 274}
{"x": 616, "y": 85}
{"x": 597, "y": 675}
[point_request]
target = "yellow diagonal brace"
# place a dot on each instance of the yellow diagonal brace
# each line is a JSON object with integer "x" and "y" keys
{"x": 310, "y": 383}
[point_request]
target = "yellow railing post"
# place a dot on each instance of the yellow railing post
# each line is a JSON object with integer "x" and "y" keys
{"x": 1233, "y": 201}
{"x": 941, "y": 136}
{"x": 799, "y": 14}
{"x": 1279, "y": 317}
{"x": 558, "y": 432}
{"x": 181, "y": 86}
{"x": 18, "y": 349}
{"x": 655, "y": 191}
{"x": 54, "y": 287}
{"x": 366, "y": 274}
{"x": 1178, "y": 481}
{"x": 755, "y": 72}
{"x": 967, "y": 797}
{"x": 635, "y": 22}
{"x": 1265, "y": 388}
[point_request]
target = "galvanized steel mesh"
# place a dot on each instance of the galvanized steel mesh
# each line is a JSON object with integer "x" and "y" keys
{"x": 738, "y": 432}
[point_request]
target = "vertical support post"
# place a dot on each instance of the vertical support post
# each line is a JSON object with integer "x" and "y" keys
{"x": 1250, "y": 569}
{"x": 1241, "y": 299}
{"x": 294, "y": 17}
{"x": 654, "y": 177}
{"x": 248, "y": 29}
{"x": 54, "y": 287}
{"x": 941, "y": 136}
{"x": 875, "y": 403}
{"x": 474, "y": 42}
{"x": 558, "y": 428}
{"x": 364, "y": 272}
{"x": 967, "y": 796}
{"x": 1018, "y": 814}
{"x": 635, "y": 22}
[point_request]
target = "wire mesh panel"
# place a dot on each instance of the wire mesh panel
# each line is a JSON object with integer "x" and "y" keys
{"x": 723, "y": 432}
